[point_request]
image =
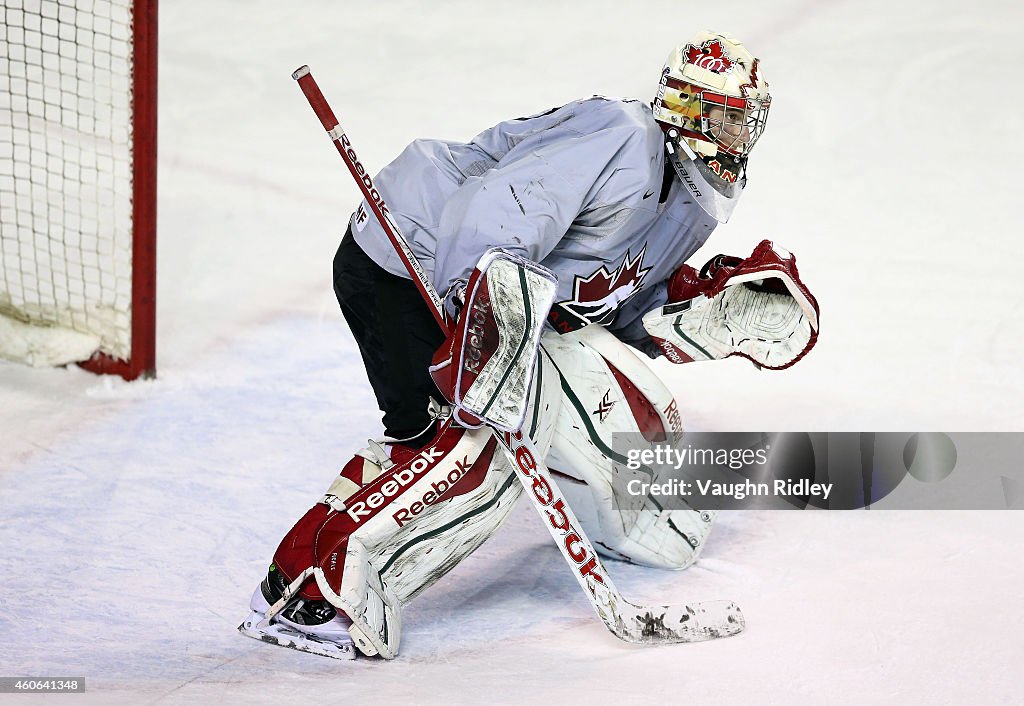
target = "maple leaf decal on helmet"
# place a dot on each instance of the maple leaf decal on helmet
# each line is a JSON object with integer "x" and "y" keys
{"x": 711, "y": 55}
{"x": 596, "y": 297}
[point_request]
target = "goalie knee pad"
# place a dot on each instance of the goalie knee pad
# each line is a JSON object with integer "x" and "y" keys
{"x": 386, "y": 531}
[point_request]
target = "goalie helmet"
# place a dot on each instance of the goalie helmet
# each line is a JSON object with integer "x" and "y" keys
{"x": 712, "y": 104}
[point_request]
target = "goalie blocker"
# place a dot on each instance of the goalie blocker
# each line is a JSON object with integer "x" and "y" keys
{"x": 485, "y": 365}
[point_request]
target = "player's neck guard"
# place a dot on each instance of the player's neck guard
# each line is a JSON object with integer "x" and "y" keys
{"x": 715, "y": 195}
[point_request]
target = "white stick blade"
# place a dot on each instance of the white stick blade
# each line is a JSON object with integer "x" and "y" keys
{"x": 697, "y": 622}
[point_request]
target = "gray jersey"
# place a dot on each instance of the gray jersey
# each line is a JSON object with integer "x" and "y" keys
{"x": 576, "y": 189}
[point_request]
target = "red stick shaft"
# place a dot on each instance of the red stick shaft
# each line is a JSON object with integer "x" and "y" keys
{"x": 373, "y": 197}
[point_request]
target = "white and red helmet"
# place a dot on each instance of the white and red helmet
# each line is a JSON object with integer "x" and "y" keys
{"x": 712, "y": 104}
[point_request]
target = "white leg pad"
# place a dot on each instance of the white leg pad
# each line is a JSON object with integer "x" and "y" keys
{"x": 608, "y": 389}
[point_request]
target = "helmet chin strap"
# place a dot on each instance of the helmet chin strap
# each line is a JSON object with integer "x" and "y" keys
{"x": 716, "y": 203}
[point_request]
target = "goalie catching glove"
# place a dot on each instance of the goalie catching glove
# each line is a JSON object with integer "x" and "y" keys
{"x": 757, "y": 308}
{"x": 485, "y": 366}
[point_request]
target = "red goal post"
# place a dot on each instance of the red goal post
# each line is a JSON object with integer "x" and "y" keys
{"x": 78, "y": 127}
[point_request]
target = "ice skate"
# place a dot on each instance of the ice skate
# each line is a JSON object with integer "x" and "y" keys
{"x": 308, "y": 626}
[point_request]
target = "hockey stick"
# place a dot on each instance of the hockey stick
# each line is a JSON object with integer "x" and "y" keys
{"x": 629, "y": 622}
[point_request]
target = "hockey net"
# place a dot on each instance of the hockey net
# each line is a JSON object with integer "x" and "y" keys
{"x": 78, "y": 183}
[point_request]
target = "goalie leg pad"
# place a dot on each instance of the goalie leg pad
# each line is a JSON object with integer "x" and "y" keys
{"x": 608, "y": 390}
{"x": 384, "y": 533}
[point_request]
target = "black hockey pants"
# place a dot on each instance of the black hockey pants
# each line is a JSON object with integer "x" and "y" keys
{"x": 397, "y": 337}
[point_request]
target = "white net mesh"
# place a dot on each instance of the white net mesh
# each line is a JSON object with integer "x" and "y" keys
{"x": 65, "y": 167}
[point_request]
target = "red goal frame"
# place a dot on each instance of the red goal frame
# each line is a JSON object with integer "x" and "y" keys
{"x": 142, "y": 362}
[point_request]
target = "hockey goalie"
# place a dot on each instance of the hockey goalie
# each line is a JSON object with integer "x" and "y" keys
{"x": 559, "y": 241}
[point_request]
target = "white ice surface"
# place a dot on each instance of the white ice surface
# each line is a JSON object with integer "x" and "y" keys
{"x": 135, "y": 519}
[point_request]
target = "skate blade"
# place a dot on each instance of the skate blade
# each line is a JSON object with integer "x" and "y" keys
{"x": 277, "y": 634}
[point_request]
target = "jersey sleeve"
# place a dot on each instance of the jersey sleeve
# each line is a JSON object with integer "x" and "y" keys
{"x": 526, "y": 202}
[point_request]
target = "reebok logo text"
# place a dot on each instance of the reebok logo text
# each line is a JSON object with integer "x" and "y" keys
{"x": 394, "y": 485}
{"x": 437, "y": 491}
{"x": 478, "y": 316}
{"x": 360, "y": 173}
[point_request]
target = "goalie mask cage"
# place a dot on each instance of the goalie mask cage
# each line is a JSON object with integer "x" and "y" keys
{"x": 78, "y": 184}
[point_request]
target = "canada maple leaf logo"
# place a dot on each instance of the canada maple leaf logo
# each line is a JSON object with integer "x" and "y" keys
{"x": 597, "y": 296}
{"x": 710, "y": 55}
